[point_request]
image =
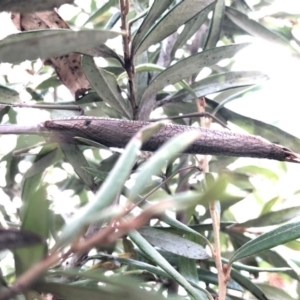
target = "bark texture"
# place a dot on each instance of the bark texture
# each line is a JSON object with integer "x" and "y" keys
{"x": 117, "y": 133}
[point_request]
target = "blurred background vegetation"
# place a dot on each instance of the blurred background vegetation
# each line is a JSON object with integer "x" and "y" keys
{"x": 252, "y": 89}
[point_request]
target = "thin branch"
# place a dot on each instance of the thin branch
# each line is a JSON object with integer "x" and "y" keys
{"x": 128, "y": 58}
{"x": 49, "y": 106}
{"x": 214, "y": 213}
{"x": 197, "y": 114}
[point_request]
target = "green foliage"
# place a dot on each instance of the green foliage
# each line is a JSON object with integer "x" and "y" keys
{"x": 156, "y": 236}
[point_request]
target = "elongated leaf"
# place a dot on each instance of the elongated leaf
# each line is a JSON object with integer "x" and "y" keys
{"x": 36, "y": 220}
{"x": 50, "y": 43}
{"x": 248, "y": 285}
{"x": 256, "y": 170}
{"x": 275, "y": 293}
{"x": 204, "y": 275}
{"x": 44, "y": 162}
{"x": 267, "y": 207}
{"x": 8, "y": 96}
{"x": 11, "y": 239}
{"x": 190, "y": 28}
{"x": 160, "y": 261}
{"x": 29, "y": 6}
{"x": 189, "y": 66}
{"x": 174, "y": 243}
{"x": 152, "y": 67}
{"x": 110, "y": 188}
{"x": 216, "y": 25}
{"x": 77, "y": 160}
{"x": 278, "y": 236}
{"x": 258, "y": 30}
{"x": 104, "y": 8}
{"x": 273, "y": 218}
{"x": 177, "y": 16}
{"x": 220, "y": 82}
{"x": 103, "y": 51}
{"x": 106, "y": 86}
{"x": 114, "y": 287}
{"x": 169, "y": 150}
{"x": 270, "y": 256}
{"x": 156, "y": 10}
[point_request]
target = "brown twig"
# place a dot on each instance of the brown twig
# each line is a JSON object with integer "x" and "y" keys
{"x": 215, "y": 215}
{"x": 128, "y": 58}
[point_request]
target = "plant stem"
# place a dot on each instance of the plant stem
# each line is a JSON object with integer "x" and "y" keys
{"x": 128, "y": 58}
{"x": 214, "y": 213}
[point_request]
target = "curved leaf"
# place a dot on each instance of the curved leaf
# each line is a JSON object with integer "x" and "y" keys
{"x": 272, "y": 218}
{"x": 29, "y": 6}
{"x": 102, "y": 10}
{"x": 190, "y": 28}
{"x": 278, "y": 236}
{"x": 189, "y": 66}
{"x": 36, "y": 220}
{"x": 174, "y": 243}
{"x": 49, "y": 43}
{"x": 216, "y": 25}
{"x": 220, "y": 82}
{"x": 106, "y": 86}
{"x": 177, "y": 16}
{"x": 152, "y": 166}
{"x": 156, "y": 10}
{"x": 8, "y": 96}
{"x": 258, "y": 30}
{"x": 77, "y": 160}
{"x": 248, "y": 285}
{"x": 163, "y": 263}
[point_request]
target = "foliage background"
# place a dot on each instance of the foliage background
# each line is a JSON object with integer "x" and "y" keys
{"x": 40, "y": 191}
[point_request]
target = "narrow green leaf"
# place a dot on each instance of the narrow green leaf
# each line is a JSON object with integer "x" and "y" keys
{"x": 257, "y": 170}
{"x": 190, "y": 28}
{"x": 77, "y": 160}
{"x": 275, "y": 293}
{"x": 91, "y": 143}
{"x": 30, "y": 6}
{"x": 248, "y": 285}
{"x": 267, "y": 207}
{"x": 168, "y": 24}
{"x": 256, "y": 29}
{"x": 8, "y": 96}
{"x": 164, "y": 264}
{"x": 189, "y": 66}
{"x": 273, "y": 258}
{"x": 215, "y": 25}
{"x": 174, "y": 243}
{"x": 278, "y": 236}
{"x": 148, "y": 67}
{"x": 220, "y": 82}
{"x": 272, "y": 218}
{"x": 110, "y": 187}
{"x": 35, "y": 218}
{"x": 156, "y": 10}
{"x": 103, "y": 51}
{"x": 41, "y": 164}
{"x": 106, "y": 86}
{"x": 102, "y": 10}
{"x": 152, "y": 166}
{"x": 50, "y": 43}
